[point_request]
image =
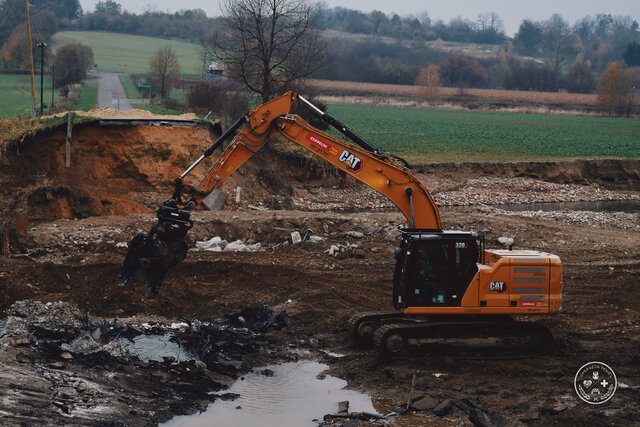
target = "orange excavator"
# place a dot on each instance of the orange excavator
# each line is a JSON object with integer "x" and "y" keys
{"x": 449, "y": 291}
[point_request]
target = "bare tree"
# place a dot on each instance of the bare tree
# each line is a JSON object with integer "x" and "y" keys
{"x": 269, "y": 45}
{"x": 560, "y": 43}
{"x": 164, "y": 69}
{"x": 490, "y": 21}
{"x": 428, "y": 83}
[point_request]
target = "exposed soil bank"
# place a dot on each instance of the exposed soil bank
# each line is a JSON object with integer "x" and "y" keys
{"x": 610, "y": 173}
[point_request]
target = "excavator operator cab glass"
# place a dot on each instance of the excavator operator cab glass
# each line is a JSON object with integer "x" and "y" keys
{"x": 437, "y": 270}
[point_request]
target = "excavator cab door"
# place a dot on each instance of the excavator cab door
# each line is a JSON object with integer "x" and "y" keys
{"x": 434, "y": 269}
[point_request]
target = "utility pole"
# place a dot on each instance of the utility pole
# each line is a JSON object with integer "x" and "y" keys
{"x": 53, "y": 82}
{"x": 33, "y": 84}
{"x": 42, "y": 46}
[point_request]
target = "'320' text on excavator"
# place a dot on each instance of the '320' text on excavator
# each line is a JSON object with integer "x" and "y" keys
{"x": 448, "y": 289}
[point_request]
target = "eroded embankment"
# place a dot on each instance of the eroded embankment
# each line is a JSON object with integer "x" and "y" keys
{"x": 610, "y": 173}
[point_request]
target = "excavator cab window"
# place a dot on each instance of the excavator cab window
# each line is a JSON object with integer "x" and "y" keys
{"x": 437, "y": 271}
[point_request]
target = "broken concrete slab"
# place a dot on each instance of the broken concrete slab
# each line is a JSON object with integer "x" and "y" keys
{"x": 215, "y": 200}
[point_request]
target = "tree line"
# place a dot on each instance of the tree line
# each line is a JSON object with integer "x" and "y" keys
{"x": 546, "y": 55}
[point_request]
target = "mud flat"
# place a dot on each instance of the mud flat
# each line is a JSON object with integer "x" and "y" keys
{"x": 63, "y": 364}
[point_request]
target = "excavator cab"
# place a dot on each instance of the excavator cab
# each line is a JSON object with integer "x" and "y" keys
{"x": 434, "y": 268}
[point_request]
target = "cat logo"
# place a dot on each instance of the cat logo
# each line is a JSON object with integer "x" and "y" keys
{"x": 352, "y": 161}
{"x": 497, "y": 286}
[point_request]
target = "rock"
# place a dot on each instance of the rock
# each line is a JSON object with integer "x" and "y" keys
{"x": 343, "y": 406}
{"x": 425, "y": 403}
{"x": 215, "y": 244}
{"x": 369, "y": 230}
{"x": 316, "y": 239}
{"x": 214, "y": 200}
{"x": 96, "y": 334}
{"x": 267, "y": 372}
{"x": 235, "y": 246}
{"x": 57, "y": 365}
{"x": 355, "y": 234}
{"x": 84, "y": 343}
{"x": 506, "y": 241}
{"x": 442, "y": 408}
{"x": 333, "y": 250}
{"x": 295, "y": 237}
{"x": 66, "y": 355}
{"x": 116, "y": 349}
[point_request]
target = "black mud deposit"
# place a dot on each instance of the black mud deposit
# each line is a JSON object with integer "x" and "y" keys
{"x": 61, "y": 366}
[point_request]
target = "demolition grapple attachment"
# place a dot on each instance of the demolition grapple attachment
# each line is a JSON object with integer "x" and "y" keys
{"x": 160, "y": 249}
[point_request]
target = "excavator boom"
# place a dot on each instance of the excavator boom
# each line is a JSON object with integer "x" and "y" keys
{"x": 164, "y": 246}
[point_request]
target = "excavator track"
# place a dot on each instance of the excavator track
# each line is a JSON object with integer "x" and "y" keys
{"x": 475, "y": 339}
{"x": 364, "y": 325}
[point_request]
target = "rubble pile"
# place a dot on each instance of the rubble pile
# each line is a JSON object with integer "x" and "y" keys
{"x": 621, "y": 220}
{"x": 217, "y": 244}
{"x": 502, "y": 191}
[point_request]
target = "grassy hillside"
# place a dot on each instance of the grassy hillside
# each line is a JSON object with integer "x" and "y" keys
{"x": 15, "y": 90}
{"x": 423, "y": 135}
{"x": 111, "y": 49}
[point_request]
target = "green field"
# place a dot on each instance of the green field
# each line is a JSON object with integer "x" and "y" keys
{"x": 129, "y": 88}
{"x": 424, "y": 135}
{"x": 88, "y": 98}
{"x": 15, "y": 90}
{"x": 112, "y": 49}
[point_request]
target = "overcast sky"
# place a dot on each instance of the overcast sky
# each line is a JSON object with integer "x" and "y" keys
{"x": 511, "y": 11}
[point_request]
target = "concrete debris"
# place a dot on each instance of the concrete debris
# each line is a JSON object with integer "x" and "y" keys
{"x": 258, "y": 208}
{"x": 622, "y": 220}
{"x": 217, "y": 244}
{"x": 295, "y": 238}
{"x": 344, "y": 251}
{"x": 214, "y": 200}
{"x": 240, "y": 246}
{"x": 506, "y": 241}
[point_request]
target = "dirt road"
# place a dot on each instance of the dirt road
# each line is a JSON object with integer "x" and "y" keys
{"x": 111, "y": 94}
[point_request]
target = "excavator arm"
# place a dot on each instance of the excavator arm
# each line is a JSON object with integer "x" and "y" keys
{"x": 164, "y": 245}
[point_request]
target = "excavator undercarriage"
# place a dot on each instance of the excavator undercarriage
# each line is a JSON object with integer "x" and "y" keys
{"x": 397, "y": 335}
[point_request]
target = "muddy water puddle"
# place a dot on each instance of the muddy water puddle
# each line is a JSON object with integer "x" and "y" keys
{"x": 156, "y": 348}
{"x": 294, "y": 395}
